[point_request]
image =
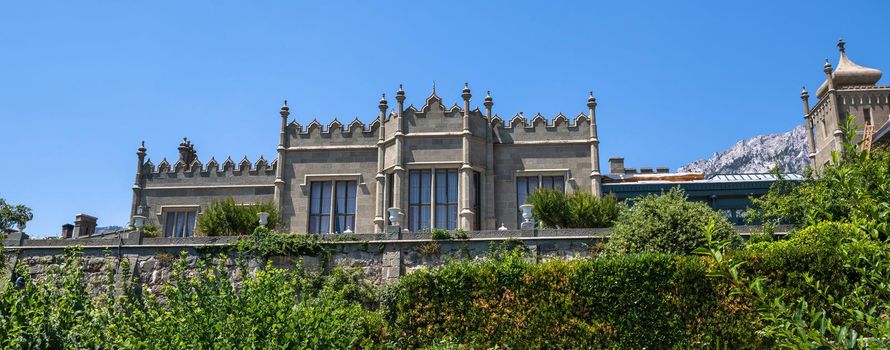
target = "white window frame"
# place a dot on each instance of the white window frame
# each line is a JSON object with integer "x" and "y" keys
{"x": 426, "y": 166}
{"x": 168, "y": 209}
{"x": 539, "y": 173}
{"x": 308, "y": 179}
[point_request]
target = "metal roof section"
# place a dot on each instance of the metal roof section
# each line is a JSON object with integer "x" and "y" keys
{"x": 753, "y": 177}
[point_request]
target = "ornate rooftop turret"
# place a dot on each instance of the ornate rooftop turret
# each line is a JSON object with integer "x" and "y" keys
{"x": 591, "y": 101}
{"x": 804, "y": 95}
{"x": 465, "y": 93}
{"x": 488, "y": 101}
{"x": 400, "y": 95}
{"x": 383, "y": 104}
{"x": 848, "y": 73}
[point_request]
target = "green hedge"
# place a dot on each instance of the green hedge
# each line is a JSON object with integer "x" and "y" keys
{"x": 653, "y": 301}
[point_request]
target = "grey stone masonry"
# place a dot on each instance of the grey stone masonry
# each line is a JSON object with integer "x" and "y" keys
{"x": 487, "y": 152}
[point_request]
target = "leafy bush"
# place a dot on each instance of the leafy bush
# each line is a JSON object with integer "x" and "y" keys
{"x": 439, "y": 233}
{"x": 666, "y": 223}
{"x": 854, "y": 189}
{"x": 638, "y": 301}
{"x": 553, "y": 208}
{"x": 273, "y": 308}
{"x": 227, "y": 218}
{"x": 265, "y": 243}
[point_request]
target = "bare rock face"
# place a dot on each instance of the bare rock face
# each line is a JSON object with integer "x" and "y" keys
{"x": 759, "y": 154}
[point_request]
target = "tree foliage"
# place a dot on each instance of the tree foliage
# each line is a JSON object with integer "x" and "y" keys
{"x": 227, "y": 218}
{"x": 17, "y": 215}
{"x": 855, "y": 188}
{"x": 667, "y": 223}
{"x": 555, "y": 209}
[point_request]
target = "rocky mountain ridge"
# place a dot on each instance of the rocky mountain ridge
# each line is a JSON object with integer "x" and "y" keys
{"x": 758, "y": 154}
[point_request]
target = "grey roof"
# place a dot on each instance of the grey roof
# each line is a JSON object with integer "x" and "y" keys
{"x": 752, "y": 177}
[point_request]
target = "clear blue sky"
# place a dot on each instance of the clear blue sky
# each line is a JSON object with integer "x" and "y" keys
{"x": 82, "y": 83}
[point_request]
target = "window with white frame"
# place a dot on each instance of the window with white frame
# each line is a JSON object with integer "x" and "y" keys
{"x": 428, "y": 208}
{"x": 525, "y": 185}
{"x": 180, "y": 222}
{"x": 331, "y": 206}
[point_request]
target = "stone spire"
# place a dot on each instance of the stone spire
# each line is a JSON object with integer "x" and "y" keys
{"x": 383, "y": 104}
{"x": 595, "y": 175}
{"x": 400, "y": 95}
{"x": 811, "y": 139}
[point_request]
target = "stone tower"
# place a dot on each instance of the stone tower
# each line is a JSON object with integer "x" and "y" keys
{"x": 849, "y": 90}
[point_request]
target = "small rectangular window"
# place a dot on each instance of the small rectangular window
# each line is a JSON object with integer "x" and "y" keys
{"x": 866, "y": 112}
{"x": 180, "y": 223}
{"x": 525, "y": 185}
{"x": 344, "y": 208}
{"x": 331, "y": 206}
{"x": 446, "y": 199}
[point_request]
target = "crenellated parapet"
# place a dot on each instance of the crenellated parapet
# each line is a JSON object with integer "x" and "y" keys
{"x": 261, "y": 167}
{"x": 335, "y": 132}
{"x": 520, "y": 128}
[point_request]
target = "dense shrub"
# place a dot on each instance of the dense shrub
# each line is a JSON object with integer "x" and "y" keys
{"x": 227, "y": 218}
{"x": 555, "y": 209}
{"x": 650, "y": 301}
{"x": 272, "y": 308}
{"x": 854, "y": 189}
{"x": 666, "y": 223}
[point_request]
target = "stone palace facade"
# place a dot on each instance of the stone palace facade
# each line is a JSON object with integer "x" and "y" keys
{"x": 441, "y": 167}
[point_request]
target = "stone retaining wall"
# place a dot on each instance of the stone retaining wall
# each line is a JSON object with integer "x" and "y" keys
{"x": 381, "y": 260}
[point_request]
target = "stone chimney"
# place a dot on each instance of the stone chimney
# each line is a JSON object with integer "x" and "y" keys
{"x": 84, "y": 225}
{"x": 616, "y": 165}
{"x": 67, "y": 231}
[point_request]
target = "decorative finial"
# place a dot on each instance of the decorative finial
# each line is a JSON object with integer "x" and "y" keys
{"x": 804, "y": 94}
{"x": 285, "y": 108}
{"x": 465, "y": 93}
{"x": 827, "y": 66}
{"x": 142, "y": 147}
{"x": 383, "y": 104}
{"x": 840, "y": 45}
{"x": 591, "y": 101}
{"x": 434, "y": 86}
{"x": 400, "y": 95}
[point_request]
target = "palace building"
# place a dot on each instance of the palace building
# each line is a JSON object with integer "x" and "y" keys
{"x": 441, "y": 167}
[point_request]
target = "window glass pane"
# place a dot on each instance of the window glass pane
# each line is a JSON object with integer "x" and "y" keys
{"x": 315, "y": 198}
{"x": 180, "y": 223}
{"x": 170, "y": 230}
{"x": 389, "y": 191}
{"x": 441, "y": 187}
{"x": 313, "y": 224}
{"x": 452, "y": 186}
{"x": 350, "y": 197}
{"x": 414, "y": 186}
{"x": 413, "y": 218}
{"x": 326, "y": 197}
{"x": 425, "y": 190}
{"x": 559, "y": 183}
{"x": 441, "y": 216}
{"x": 452, "y": 217}
{"x": 424, "y": 218}
{"x": 324, "y": 224}
{"x": 190, "y": 224}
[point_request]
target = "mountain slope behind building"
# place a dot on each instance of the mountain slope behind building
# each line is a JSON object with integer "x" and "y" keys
{"x": 758, "y": 154}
